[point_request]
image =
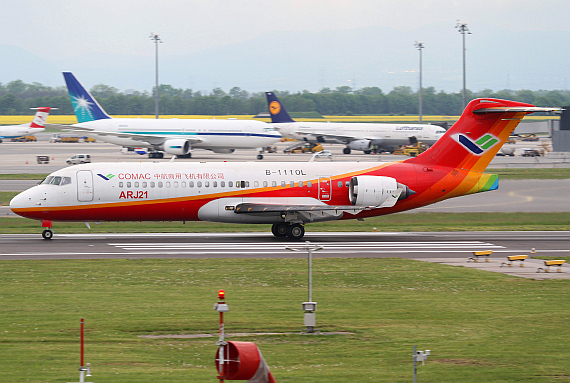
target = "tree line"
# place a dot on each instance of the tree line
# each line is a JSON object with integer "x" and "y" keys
{"x": 16, "y": 97}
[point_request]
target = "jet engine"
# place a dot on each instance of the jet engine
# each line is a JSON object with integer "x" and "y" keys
{"x": 176, "y": 146}
{"x": 377, "y": 191}
{"x": 360, "y": 145}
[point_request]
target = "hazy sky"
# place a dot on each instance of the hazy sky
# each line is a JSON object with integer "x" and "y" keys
{"x": 62, "y": 28}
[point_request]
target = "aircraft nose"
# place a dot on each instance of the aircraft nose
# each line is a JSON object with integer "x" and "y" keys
{"x": 21, "y": 201}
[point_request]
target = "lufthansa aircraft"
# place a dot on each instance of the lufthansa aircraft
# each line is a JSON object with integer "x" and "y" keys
{"x": 173, "y": 136}
{"x": 285, "y": 195}
{"x": 30, "y": 128}
{"x": 356, "y": 136}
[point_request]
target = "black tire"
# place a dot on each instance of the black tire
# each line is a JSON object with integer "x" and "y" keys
{"x": 346, "y": 150}
{"x": 259, "y": 156}
{"x": 295, "y": 231}
{"x": 279, "y": 230}
{"x": 367, "y": 151}
{"x": 47, "y": 234}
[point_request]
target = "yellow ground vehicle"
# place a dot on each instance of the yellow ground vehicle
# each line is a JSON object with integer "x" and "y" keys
{"x": 305, "y": 148}
{"x": 410, "y": 150}
{"x": 25, "y": 139}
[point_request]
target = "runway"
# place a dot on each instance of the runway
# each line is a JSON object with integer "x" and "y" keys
{"x": 413, "y": 245}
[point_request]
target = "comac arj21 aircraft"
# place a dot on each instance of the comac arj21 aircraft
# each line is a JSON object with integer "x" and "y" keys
{"x": 355, "y": 135}
{"x": 282, "y": 194}
{"x": 173, "y": 136}
{"x": 30, "y": 128}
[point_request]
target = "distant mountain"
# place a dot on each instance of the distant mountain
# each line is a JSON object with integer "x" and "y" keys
{"x": 374, "y": 56}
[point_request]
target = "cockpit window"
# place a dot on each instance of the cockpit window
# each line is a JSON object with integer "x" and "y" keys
{"x": 46, "y": 180}
{"x": 55, "y": 181}
{"x": 66, "y": 181}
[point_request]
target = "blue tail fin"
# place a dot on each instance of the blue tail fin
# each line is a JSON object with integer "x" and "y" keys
{"x": 276, "y": 110}
{"x": 86, "y": 108}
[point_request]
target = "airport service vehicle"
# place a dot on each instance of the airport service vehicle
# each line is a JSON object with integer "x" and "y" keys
{"x": 172, "y": 136}
{"x": 30, "y": 128}
{"x": 286, "y": 195}
{"x": 356, "y": 136}
{"x": 79, "y": 159}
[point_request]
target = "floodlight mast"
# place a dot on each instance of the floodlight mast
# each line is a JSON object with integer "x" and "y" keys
{"x": 419, "y": 45}
{"x": 462, "y": 28}
{"x": 154, "y": 37}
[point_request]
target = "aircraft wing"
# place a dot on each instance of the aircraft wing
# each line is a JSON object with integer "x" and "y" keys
{"x": 302, "y": 213}
{"x": 150, "y": 138}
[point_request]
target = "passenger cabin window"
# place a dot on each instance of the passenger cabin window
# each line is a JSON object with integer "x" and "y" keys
{"x": 309, "y": 184}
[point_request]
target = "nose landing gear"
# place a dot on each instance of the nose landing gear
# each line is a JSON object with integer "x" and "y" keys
{"x": 48, "y": 232}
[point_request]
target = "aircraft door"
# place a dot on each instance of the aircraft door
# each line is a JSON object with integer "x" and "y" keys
{"x": 325, "y": 188}
{"x": 84, "y": 186}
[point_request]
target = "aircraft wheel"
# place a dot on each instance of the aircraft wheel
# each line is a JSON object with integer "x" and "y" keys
{"x": 295, "y": 231}
{"x": 259, "y": 156}
{"x": 47, "y": 234}
{"x": 346, "y": 150}
{"x": 279, "y": 230}
{"x": 367, "y": 151}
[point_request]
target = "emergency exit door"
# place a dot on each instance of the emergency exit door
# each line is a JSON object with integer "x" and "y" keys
{"x": 84, "y": 186}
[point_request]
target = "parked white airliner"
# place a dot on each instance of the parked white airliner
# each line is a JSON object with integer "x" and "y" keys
{"x": 30, "y": 128}
{"x": 173, "y": 136}
{"x": 356, "y": 136}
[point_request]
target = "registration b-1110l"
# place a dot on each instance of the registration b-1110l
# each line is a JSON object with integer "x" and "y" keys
{"x": 282, "y": 194}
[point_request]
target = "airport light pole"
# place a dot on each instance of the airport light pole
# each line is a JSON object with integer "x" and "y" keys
{"x": 154, "y": 37}
{"x": 462, "y": 28}
{"x": 419, "y": 45}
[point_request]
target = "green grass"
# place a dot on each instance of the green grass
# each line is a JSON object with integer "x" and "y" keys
{"x": 480, "y": 326}
{"x": 531, "y": 173}
{"x": 394, "y": 222}
{"x": 5, "y": 197}
{"x": 30, "y": 176}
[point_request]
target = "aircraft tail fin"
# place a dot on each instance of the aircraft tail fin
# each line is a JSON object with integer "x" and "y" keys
{"x": 276, "y": 109}
{"x": 86, "y": 108}
{"x": 40, "y": 118}
{"x": 474, "y": 140}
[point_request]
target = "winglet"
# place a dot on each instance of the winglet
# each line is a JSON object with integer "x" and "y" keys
{"x": 86, "y": 108}
{"x": 276, "y": 109}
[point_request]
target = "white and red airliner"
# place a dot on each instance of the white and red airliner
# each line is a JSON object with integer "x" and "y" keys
{"x": 282, "y": 194}
{"x": 30, "y": 128}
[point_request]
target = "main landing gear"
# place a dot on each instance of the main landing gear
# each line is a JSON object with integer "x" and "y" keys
{"x": 294, "y": 231}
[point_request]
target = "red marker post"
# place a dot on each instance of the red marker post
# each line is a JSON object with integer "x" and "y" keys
{"x": 222, "y": 308}
{"x": 83, "y": 367}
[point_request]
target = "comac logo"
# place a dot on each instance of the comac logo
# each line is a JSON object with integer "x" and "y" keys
{"x": 275, "y": 107}
{"x": 478, "y": 147}
{"x": 107, "y": 177}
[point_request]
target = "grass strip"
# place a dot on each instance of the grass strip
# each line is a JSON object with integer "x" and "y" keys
{"x": 480, "y": 326}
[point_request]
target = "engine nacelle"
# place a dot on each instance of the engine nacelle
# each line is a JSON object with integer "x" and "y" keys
{"x": 360, "y": 145}
{"x": 178, "y": 146}
{"x": 376, "y": 191}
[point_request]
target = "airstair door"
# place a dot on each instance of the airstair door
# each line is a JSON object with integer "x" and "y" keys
{"x": 325, "y": 188}
{"x": 84, "y": 186}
